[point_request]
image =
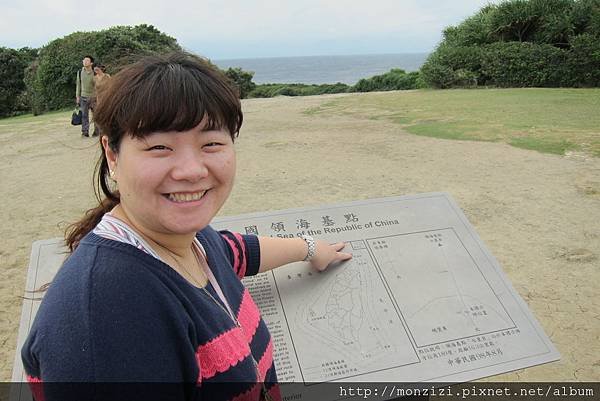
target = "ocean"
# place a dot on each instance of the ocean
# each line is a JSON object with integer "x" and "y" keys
{"x": 323, "y": 69}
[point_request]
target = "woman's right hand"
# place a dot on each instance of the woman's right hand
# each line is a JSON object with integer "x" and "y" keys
{"x": 327, "y": 254}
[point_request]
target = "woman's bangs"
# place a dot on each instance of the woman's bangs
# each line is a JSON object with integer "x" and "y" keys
{"x": 178, "y": 100}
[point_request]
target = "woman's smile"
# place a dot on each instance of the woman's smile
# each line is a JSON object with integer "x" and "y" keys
{"x": 181, "y": 197}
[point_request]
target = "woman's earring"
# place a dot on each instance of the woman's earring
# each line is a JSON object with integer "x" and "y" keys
{"x": 112, "y": 174}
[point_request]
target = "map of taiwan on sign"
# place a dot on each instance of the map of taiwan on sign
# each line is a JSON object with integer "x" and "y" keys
{"x": 422, "y": 299}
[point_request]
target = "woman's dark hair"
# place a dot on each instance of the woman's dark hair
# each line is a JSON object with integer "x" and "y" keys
{"x": 159, "y": 93}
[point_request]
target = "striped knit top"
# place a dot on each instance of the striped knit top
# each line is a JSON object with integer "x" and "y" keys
{"x": 115, "y": 315}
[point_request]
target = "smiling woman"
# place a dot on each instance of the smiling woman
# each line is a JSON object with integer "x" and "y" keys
{"x": 172, "y": 183}
{"x": 150, "y": 292}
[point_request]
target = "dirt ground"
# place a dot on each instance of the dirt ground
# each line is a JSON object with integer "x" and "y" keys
{"x": 538, "y": 214}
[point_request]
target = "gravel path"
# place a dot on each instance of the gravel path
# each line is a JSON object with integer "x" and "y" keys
{"x": 538, "y": 214}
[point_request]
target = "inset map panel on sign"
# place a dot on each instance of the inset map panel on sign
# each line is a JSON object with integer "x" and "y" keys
{"x": 431, "y": 271}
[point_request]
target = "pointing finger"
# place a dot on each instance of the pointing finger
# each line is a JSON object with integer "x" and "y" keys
{"x": 339, "y": 246}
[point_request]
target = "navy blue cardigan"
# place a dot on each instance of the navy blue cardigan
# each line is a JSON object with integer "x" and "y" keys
{"x": 115, "y": 314}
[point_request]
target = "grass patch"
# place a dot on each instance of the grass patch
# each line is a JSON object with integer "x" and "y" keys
{"x": 29, "y": 118}
{"x": 549, "y": 120}
{"x": 541, "y": 145}
{"x": 399, "y": 117}
{"x": 324, "y": 107}
{"x": 438, "y": 129}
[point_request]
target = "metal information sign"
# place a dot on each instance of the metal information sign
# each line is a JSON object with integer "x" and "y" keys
{"x": 422, "y": 299}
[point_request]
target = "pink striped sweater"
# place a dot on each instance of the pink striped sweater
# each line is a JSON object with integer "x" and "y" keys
{"x": 119, "y": 323}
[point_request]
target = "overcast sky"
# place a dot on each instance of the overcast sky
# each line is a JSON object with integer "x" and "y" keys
{"x": 222, "y": 29}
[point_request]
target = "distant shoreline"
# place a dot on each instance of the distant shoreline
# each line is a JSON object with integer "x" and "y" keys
{"x": 347, "y": 69}
{"x": 317, "y": 56}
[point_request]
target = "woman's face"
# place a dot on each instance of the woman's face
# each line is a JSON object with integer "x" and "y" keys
{"x": 173, "y": 182}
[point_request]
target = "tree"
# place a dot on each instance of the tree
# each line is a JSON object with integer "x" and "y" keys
{"x": 514, "y": 21}
{"x": 13, "y": 64}
{"x": 555, "y": 25}
{"x": 53, "y": 83}
{"x": 473, "y": 31}
{"x": 520, "y": 43}
{"x": 585, "y": 15}
{"x": 242, "y": 80}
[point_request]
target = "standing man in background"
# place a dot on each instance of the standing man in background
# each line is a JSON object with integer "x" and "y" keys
{"x": 85, "y": 95}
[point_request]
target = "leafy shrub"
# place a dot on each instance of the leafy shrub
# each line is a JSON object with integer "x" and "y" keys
{"x": 519, "y": 43}
{"x": 584, "y": 60}
{"x": 475, "y": 30}
{"x": 447, "y": 67}
{"x": 523, "y": 64}
{"x": 32, "y": 93}
{"x": 53, "y": 83}
{"x": 271, "y": 90}
{"x": 395, "y": 79}
{"x": 242, "y": 80}
{"x": 332, "y": 88}
{"x": 13, "y": 64}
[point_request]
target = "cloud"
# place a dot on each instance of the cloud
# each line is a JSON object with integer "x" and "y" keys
{"x": 225, "y": 24}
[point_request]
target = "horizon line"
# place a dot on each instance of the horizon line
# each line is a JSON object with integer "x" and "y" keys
{"x": 316, "y": 55}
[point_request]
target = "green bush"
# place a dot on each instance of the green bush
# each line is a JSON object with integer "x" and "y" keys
{"x": 242, "y": 80}
{"x": 554, "y": 23}
{"x": 395, "y": 79}
{"x": 52, "y": 85}
{"x": 585, "y": 16}
{"x": 338, "y": 87}
{"x": 33, "y": 90}
{"x": 475, "y": 30}
{"x": 454, "y": 66}
{"x": 271, "y": 90}
{"x": 13, "y": 64}
{"x": 584, "y": 60}
{"x": 523, "y": 64}
{"x": 519, "y": 43}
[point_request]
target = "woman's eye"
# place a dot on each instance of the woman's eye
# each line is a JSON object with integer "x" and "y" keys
{"x": 212, "y": 144}
{"x": 158, "y": 147}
